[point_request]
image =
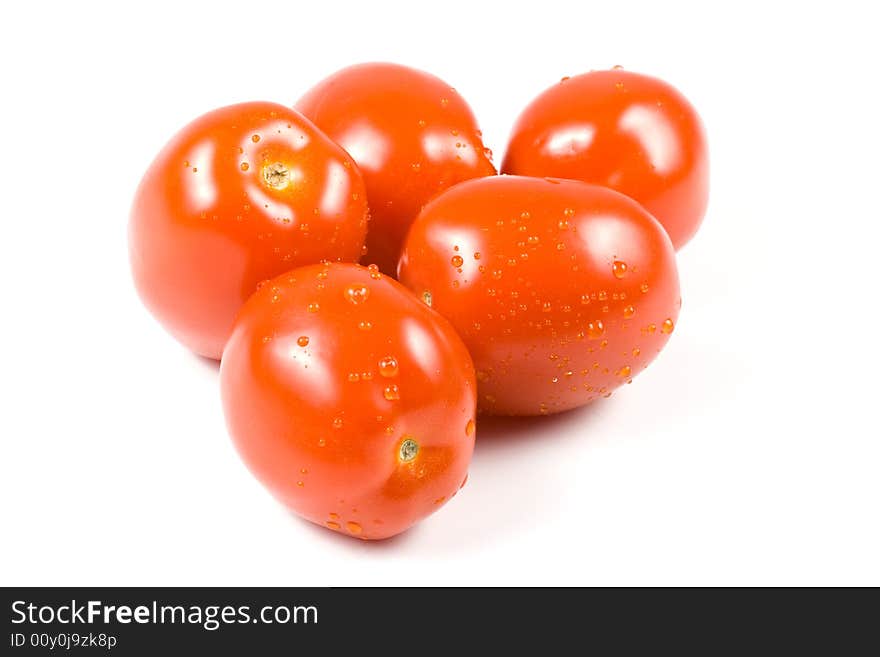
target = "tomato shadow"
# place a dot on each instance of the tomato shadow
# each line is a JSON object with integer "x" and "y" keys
{"x": 521, "y": 468}
{"x": 507, "y": 432}
{"x": 204, "y": 363}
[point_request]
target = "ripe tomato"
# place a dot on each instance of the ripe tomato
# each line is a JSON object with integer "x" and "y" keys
{"x": 561, "y": 290}
{"x": 412, "y": 136}
{"x": 349, "y": 399}
{"x": 627, "y": 131}
{"x": 239, "y": 195}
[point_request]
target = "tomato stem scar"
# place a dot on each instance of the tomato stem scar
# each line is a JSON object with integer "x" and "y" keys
{"x": 276, "y": 175}
{"x": 408, "y": 450}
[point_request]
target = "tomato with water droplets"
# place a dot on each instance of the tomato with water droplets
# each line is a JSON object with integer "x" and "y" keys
{"x": 241, "y": 194}
{"x": 358, "y": 415}
{"x": 564, "y": 292}
{"x": 624, "y": 130}
{"x": 412, "y": 136}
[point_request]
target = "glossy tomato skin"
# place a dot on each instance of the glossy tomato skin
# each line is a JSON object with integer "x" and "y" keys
{"x": 562, "y": 291}
{"x": 631, "y": 132}
{"x": 239, "y": 195}
{"x": 330, "y": 370}
{"x": 412, "y": 136}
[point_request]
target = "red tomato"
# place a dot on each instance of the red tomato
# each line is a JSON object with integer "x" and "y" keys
{"x": 239, "y": 195}
{"x": 623, "y": 130}
{"x": 349, "y": 399}
{"x": 561, "y": 290}
{"x": 412, "y": 136}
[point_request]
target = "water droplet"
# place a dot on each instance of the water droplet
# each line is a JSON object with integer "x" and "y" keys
{"x": 618, "y": 268}
{"x": 357, "y": 293}
{"x": 568, "y": 213}
{"x": 563, "y": 224}
{"x": 603, "y": 296}
{"x": 409, "y": 448}
{"x": 365, "y": 326}
{"x": 300, "y": 484}
{"x": 245, "y": 166}
{"x": 546, "y": 307}
{"x": 255, "y": 138}
{"x": 333, "y": 516}
{"x": 333, "y": 525}
{"x": 628, "y": 312}
{"x": 482, "y": 376}
{"x": 427, "y": 297}
{"x": 353, "y": 527}
{"x": 625, "y": 371}
{"x": 618, "y": 86}
{"x": 375, "y": 274}
{"x": 302, "y": 340}
{"x": 470, "y": 427}
{"x": 667, "y": 326}
{"x": 337, "y": 423}
{"x": 636, "y": 351}
{"x": 388, "y": 366}
{"x": 533, "y": 239}
{"x": 314, "y": 307}
{"x": 422, "y": 123}
{"x": 391, "y": 393}
{"x": 322, "y": 442}
{"x": 444, "y": 102}
{"x": 595, "y": 330}
{"x": 457, "y": 261}
{"x": 652, "y": 328}
{"x": 644, "y": 288}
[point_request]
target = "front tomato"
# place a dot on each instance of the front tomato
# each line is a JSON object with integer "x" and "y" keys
{"x": 349, "y": 399}
{"x": 561, "y": 291}
{"x": 412, "y": 136}
{"x": 239, "y": 195}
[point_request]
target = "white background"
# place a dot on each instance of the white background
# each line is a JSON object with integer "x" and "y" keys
{"x": 747, "y": 454}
